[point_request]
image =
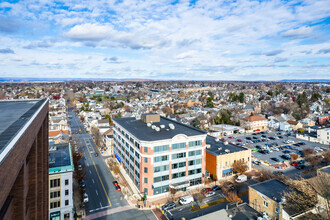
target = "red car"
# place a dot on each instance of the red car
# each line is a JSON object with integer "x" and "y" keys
{"x": 115, "y": 183}
{"x": 118, "y": 188}
{"x": 206, "y": 190}
{"x": 231, "y": 137}
{"x": 96, "y": 155}
{"x": 239, "y": 140}
{"x": 294, "y": 163}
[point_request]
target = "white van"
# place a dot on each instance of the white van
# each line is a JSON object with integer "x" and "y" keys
{"x": 241, "y": 178}
{"x": 186, "y": 200}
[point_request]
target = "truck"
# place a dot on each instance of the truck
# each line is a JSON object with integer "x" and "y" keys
{"x": 241, "y": 178}
{"x": 186, "y": 200}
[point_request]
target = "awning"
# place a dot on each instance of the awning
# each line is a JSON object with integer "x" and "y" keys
{"x": 118, "y": 158}
{"x": 180, "y": 185}
{"x": 227, "y": 171}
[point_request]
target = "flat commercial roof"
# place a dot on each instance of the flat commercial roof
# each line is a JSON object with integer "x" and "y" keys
{"x": 273, "y": 189}
{"x": 141, "y": 131}
{"x": 60, "y": 158}
{"x": 14, "y": 116}
{"x": 219, "y": 147}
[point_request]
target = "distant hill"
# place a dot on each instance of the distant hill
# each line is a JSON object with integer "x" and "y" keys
{"x": 14, "y": 79}
{"x": 305, "y": 80}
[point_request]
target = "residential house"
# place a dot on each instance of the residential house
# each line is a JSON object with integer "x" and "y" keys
{"x": 255, "y": 123}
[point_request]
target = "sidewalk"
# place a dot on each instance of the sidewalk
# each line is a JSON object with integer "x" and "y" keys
{"x": 81, "y": 212}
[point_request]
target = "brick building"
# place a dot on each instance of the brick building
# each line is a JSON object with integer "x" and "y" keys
{"x": 24, "y": 159}
{"x": 255, "y": 123}
{"x": 160, "y": 154}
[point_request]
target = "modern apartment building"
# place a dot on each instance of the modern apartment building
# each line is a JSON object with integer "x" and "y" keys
{"x": 60, "y": 182}
{"x": 160, "y": 154}
{"x": 221, "y": 156}
{"x": 24, "y": 159}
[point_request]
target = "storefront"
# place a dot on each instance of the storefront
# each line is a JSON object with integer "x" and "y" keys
{"x": 227, "y": 172}
{"x": 55, "y": 215}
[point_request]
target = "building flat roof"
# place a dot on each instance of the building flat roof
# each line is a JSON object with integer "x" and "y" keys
{"x": 60, "y": 158}
{"x": 219, "y": 147}
{"x": 141, "y": 131}
{"x": 14, "y": 117}
{"x": 273, "y": 189}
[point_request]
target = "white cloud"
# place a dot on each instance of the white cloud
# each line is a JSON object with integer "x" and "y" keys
{"x": 89, "y": 32}
{"x": 298, "y": 32}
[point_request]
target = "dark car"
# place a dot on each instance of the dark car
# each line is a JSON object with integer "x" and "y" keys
{"x": 275, "y": 159}
{"x": 216, "y": 188}
{"x": 254, "y": 133}
{"x": 258, "y": 146}
{"x": 205, "y": 190}
{"x": 264, "y": 135}
{"x": 278, "y": 173}
{"x": 272, "y": 138}
{"x": 300, "y": 166}
{"x": 248, "y": 138}
{"x": 280, "y": 136}
{"x": 286, "y": 151}
{"x": 285, "y": 156}
{"x": 255, "y": 137}
{"x": 256, "y": 162}
{"x": 168, "y": 206}
{"x": 301, "y": 143}
{"x": 83, "y": 184}
{"x": 280, "y": 148}
{"x": 301, "y": 161}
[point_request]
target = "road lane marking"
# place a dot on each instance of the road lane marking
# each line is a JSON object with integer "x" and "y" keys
{"x": 96, "y": 192}
{"x": 100, "y": 204}
{"x": 97, "y": 172}
{"x": 90, "y": 172}
{"x": 93, "y": 181}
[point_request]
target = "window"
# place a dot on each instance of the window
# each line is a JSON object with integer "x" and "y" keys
{"x": 179, "y": 155}
{"x": 265, "y": 203}
{"x": 161, "y": 148}
{"x": 67, "y": 202}
{"x": 145, "y": 191}
{"x": 276, "y": 209}
{"x": 66, "y": 192}
{"x": 193, "y": 153}
{"x": 145, "y": 150}
{"x": 54, "y": 205}
{"x": 178, "y": 146}
{"x": 145, "y": 180}
{"x": 178, "y": 175}
{"x": 195, "y": 143}
{"x": 160, "y": 158}
{"x": 137, "y": 155}
{"x": 66, "y": 182}
{"x": 160, "y": 168}
{"x": 146, "y": 159}
{"x": 55, "y": 183}
{"x": 161, "y": 178}
{"x": 146, "y": 170}
{"x": 55, "y": 194}
{"x": 194, "y": 162}
{"x": 67, "y": 216}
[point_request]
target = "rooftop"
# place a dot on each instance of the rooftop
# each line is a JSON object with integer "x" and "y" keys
{"x": 15, "y": 116}
{"x": 273, "y": 189}
{"x": 219, "y": 147}
{"x": 60, "y": 158}
{"x": 141, "y": 131}
{"x": 243, "y": 212}
{"x": 255, "y": 118}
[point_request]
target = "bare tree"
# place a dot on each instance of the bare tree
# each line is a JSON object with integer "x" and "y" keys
{"x": 240, "y": 166}
{"x": 233, "y": 197}
{"x": 308, "y": 151}
{"x": 313, "y": 160}
{"x": 294, "y": 156}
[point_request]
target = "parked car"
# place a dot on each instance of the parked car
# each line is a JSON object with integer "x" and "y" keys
{"x": 255, "y": 137}
{"x": 83, "y": 184}
{"x": 231, "y": 137}
{"x": 239, "y": 140}
{"x": 118, "y": 188}
{"x": 278, "y": 172}
{"x": 280, "y": 136}
{"x": 216, "y": 188}
{"x": 275, "y": 159}
{"x": 79, "y": 167}
{"x": 186, "y": 200}
{"x": 272, "y": 138}
{"x": 301, "y": 161}
{"x": 285, "y": 156}
{"x": 300, "y": 166}
{"x": 256, "y": 162}
{"x": 85, "y": 197}
{"x": 241, "y": 178}
{"x": 294, "y": 163}
{"x": 248, "y": 138}
{"x": 205, "y": 190}
{"x": 208, "y": 194}
{"x": 115, "y": 183}
{"x": 168, "y": 206}
{"x": 96, "y": 154}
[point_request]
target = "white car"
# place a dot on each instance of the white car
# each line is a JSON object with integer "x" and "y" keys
{"x": 85, "y": 197}
{"x": 208, "y": 194}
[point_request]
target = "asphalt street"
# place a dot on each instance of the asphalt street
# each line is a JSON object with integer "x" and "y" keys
{"x": 104, "y": 201}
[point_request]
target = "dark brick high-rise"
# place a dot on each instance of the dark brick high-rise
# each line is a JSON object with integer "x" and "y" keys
{"x": 24, "y": 159}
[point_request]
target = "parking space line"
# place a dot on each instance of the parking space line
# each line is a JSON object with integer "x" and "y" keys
{"x": 96, "y": 192}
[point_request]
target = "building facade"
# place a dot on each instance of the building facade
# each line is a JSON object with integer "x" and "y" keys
{"x": 255, "y": 123}
{"x": 60, "y": 182}
{"x": 160, "y": 154}
{"x": 24, "y": 159}
{"x": 220, "y": 157}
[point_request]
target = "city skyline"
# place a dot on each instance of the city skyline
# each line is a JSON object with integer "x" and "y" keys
{"x": 165, "y": 40}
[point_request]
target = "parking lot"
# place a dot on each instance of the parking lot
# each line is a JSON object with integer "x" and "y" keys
{"x": 269, "y": 147}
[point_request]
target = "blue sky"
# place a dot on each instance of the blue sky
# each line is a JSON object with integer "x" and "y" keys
{"x": 166, "y": 39}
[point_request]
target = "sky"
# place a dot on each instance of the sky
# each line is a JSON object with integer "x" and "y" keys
{"x": 165, "y": 39}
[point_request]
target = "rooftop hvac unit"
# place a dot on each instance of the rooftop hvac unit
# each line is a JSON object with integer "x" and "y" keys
{"x": 227, "y": 151}
{"x": 225, "y": 143}
{"x": 157, "y": 129}
{"x": 149, "y": 124}
{"x": 171, "y": 126}
{"x": 219, "y": 148}
{"x": 217, "y": 140}
{"x": 153, "y": 126}
{"x": 162, "y": 126}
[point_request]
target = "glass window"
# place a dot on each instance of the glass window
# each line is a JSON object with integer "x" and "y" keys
{"x": 145, "y": 150}
{"x": 66, "y": 202}
{"x": 161, "y": 148}
{"x": 179, "y": 155}
{"x": 66, "y": 182}
{"x": 145, "y": 180}
{"x": 161, "y": 168}
{"x": 195, "y": 143}
{"x": 160, "y": 158}
{"x": 178, "y": 146}
{"x": 265, "y": 203}
{"x": 146, "y": 159}
{"x": 66, "y": 192}
{"x": 146, "y": 170}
